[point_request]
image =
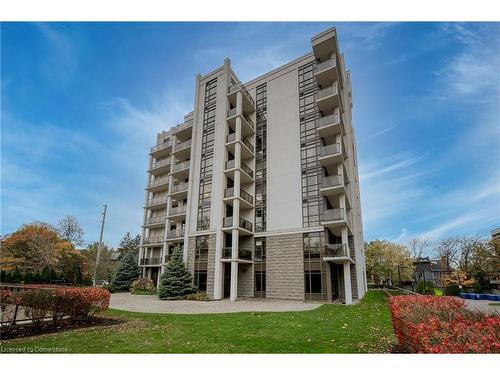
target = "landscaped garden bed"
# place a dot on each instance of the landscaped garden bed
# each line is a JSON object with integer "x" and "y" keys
{"x": 428, "y": 324}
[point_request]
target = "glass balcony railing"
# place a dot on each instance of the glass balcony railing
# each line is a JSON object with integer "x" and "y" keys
{"x": 246, "y": 197}
{"x": 152, "y": 239}
{"x": 247, "y": 169}
{"x": 244, "y": 254}
{"x": 231, "y": 113}
{"x": 231, "y": 138}
{"x": 179, "y": 187}
{"x": 340, "y": 250}
{"x": 248, "y": 120}
{"x": 182, "y": 165}
{"x": 156, "y": 219}
{"x": 327, "y": 150}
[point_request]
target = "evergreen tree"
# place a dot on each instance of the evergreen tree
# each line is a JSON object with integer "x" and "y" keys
{"x": 129, "y": 244}
{"x": 127, "y": 271}
{"x": 176, "y": 281}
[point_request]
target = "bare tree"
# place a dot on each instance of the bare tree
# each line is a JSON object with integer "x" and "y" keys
{"x": 468, "y": 249}
{"x": 419, "y": 247}
{"x": 449, "y": 249}
{"x": 70, "y": 230}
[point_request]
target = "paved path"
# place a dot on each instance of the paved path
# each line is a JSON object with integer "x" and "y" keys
{"x": 481, "y": 305}
{"x": 151, "y": 304}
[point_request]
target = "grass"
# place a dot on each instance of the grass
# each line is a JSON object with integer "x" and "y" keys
{"x": 365, "y": 327}
{"x": 438, "y": 292}
{"x": 494, "y": 304}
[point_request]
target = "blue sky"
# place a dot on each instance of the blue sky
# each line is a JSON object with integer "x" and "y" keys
{"x": 82, "y": 102}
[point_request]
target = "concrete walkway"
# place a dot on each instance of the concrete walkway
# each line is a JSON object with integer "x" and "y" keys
{"x": 151, "y": 304}
{"x": 482, "y": 306}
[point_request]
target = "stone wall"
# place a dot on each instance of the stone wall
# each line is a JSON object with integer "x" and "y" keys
{"x": 211, "y": 266}
{"x": 245, "y": 280}
{"x": 285, "y": 267}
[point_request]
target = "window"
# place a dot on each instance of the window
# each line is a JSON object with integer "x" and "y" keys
{"x": 260, "y": 281}
{"x": 312, "y": 282}
{"x": 260, "y": 158}
{"x": 200, "y": 280}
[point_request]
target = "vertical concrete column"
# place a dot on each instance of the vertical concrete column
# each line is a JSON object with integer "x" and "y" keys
{"x": 328, "y": 282}
{"x": 347, "y": 283}
{"x": 218, "y": 279}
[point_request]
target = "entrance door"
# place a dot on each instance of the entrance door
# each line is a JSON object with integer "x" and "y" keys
{"x": 154, "y": 274}
{"x": 334, "y": 277}
{"x": 227, "y": 280}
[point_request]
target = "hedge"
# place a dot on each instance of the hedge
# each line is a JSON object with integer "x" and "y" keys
{"x": 429, "y": 324}
{"x": 55, "y": 303}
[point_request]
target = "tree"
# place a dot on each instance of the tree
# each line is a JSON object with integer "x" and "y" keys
{"x": 30, "y": 248}
{"x": 129, "y": 244}
{"x": 448, "y": 250}
{"x": 70, "y": 264}
{"x": 106, "y": 267}
{"x": 70, "y": 230}
{"x": 485, "y": 261}
{"x": 176, "y": 281}
{"x": 127, "y": 271}
{"x": 386, "y": 261}
{"x": 419, "y": 247}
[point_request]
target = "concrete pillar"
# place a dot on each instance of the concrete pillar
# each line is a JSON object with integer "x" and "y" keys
{"x": 347, "y": 284}
{"x": 218, "y": 279}
{"x": 328, "y": 281}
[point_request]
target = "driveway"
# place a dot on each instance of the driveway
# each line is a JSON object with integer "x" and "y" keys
{"x": 482, "y": 306}
{"x": 151, "y": 304}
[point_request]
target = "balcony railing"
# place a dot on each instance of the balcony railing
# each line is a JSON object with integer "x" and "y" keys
{"x": 179, "y": 187}
{"x": 245, "y": 224}
{"x": 331, "y": 181}
{"x": 247, "y": 143}
{"x": 237, "y": 86}
{"x": 245, "y": 196}
{"x": 183, "y": 126}
{"x": 332, "y": 90}
{"x": 327, "y": 120}
{"x": 160, "y": 163}
{"x": 159, "y": 200}
{"x": 229, "y": 192}
{"x": 153, "y": 239}
{"x": 230, "y": 164}
{"x": 156, "y": 219}
{"x": 247, "y": 169}
{"x": 158, "y": 181}
{"x": 324, "y": 65}
{"x": 244, "y": 254}
{"x": 203, "y": 224}
{"x": 340, "y": 250}
{"x": 231, "y": 138}
{"x": 181, "y": 165}
{"x": 332, "y": 149}
{"x": 161, "y": 146}
{"x": 231, "y": 113}
{"x": 334, "y": 214}
{"x": 150, "y": 261}
{"x": 177, "y": 210}
{"x": 177, "y": 233}
{"x": 247, "y": 119}
{"x": 181, "y": 145}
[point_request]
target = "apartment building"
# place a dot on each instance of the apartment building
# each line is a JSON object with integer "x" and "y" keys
{"x": 259, "y": 185}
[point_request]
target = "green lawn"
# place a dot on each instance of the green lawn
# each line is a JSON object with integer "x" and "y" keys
{"x": 365, "y": 327}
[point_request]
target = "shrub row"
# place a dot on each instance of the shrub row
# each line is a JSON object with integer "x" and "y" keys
{"x": 56, "y": 303}
{"x": 428, "y": 324}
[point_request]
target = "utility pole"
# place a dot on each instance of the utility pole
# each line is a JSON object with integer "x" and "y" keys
{"x": 100, "y": 244}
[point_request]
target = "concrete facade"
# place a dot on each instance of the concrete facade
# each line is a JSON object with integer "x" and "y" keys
{"x": 262, "y": 178}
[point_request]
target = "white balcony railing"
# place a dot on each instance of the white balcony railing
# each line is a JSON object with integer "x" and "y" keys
{"x": 177, "y": 210}
{"x": 159, "y": 200}
{"x": 181, "y": 145}
{"x": 332, "y": 90}
{"x": 156, "y": 219}
{"x": 324, "y": 65}
{"x": 182, "y": 165}
{"x": 332, "y": 181}
{"x": 333, "y": 214}
{"x": 327, "y": 120}
{"x": 332, "y": 149}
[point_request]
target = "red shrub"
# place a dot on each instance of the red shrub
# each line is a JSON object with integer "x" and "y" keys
{"x": 428, "y": 324}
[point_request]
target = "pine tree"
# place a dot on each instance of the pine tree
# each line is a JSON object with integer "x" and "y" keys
{"x": 176, "y": 281}
{"x": 127, "y": 271}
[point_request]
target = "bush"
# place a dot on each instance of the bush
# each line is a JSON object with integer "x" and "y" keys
{"x": 452, "y": 290}
{"x": 37, "y": 304}
{"x": 143, "y": 286}
{"x": 426, "y": 324}
{"x": 425, "y": 287}
{"x": 198, "y": 296}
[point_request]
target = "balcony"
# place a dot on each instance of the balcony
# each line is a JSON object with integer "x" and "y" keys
{"x": 247, "y": 149}
{"x": 247, "y": 175}
{"x": 243, "y": 224}
{"x": 182, "y": 150}
{"x": 176, "y": 211}
{"x": 161, "y": 149}
{"x": 181, "y": 168}
{"x": 156, "y": 220}
{"x": 332, "y": 185}
{"x": 246, "y": 200}
{"x": 155, "y": 261}
{"x": 155, "y": 202}
{"x": 243, "y": 254}
{"x": 152, "y": 240}
{"x": 326, "y": 72}
{"x": 248, "y": 103}
{"x": 158, "y": 184}
{"x": 247, "y": 125}
{"x": 184, "y": 129}
{"x": 337, "y": 253}
{"x": 328, "y": 99}
{"x": 179, "y": 189}
{"x": 330, "y": 125}
{"x": 334, "y": 218}
{"x": 330, "y": 154}
{"x": 160, "y": 166}
{"x": 175, "y": 234}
